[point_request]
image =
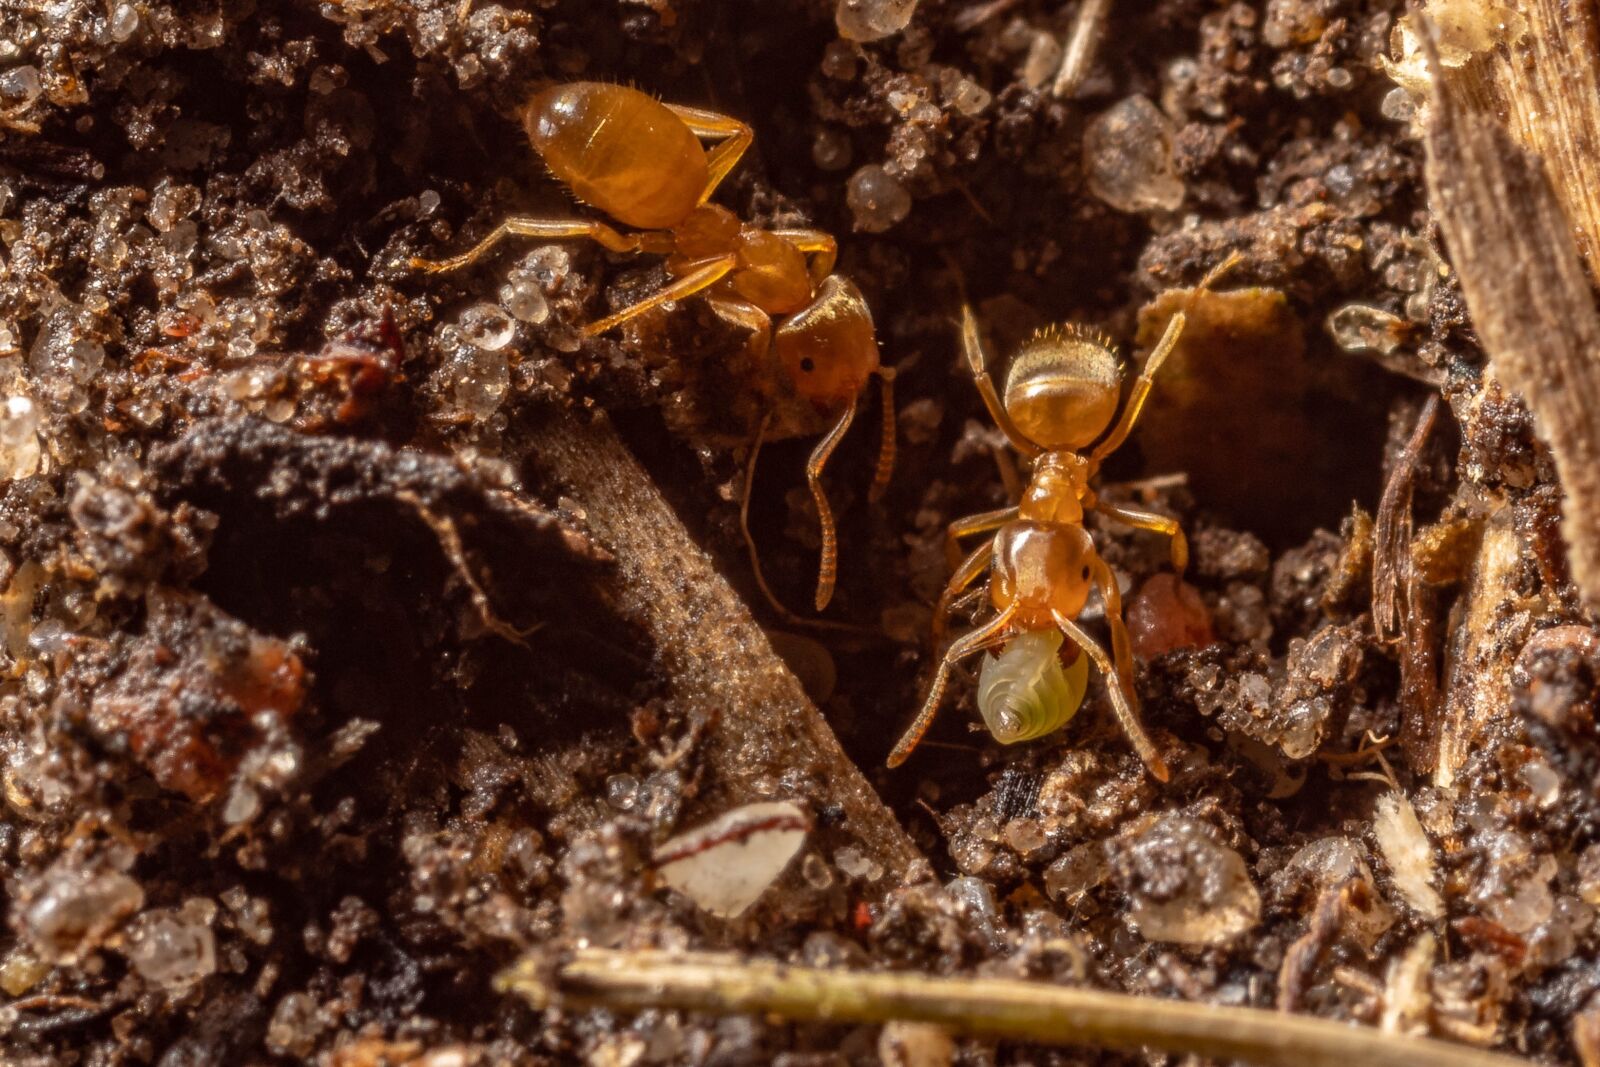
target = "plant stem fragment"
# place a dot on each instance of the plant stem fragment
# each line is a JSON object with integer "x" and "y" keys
{"x": 1027, "y": 1011}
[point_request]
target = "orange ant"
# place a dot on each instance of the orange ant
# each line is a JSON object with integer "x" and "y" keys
{"x": 1060, "y": 396}
{"x": 642, "y": 162}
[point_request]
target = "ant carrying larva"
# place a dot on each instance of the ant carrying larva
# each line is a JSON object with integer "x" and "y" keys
{"x": 1061, "y": 396}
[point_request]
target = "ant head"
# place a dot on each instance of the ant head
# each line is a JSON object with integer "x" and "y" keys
{"x": 827, "y": 349}
{"x": 1064, "y": 385}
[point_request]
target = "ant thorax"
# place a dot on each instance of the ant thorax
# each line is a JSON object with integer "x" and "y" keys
{"x": 1057, "y": 490}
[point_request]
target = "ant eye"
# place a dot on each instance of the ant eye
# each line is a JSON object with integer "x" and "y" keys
{"x": 808, "y": 364}
{"x": 1086, "y": 572}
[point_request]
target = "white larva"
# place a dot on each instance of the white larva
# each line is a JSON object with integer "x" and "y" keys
{"x": 1025, "y": 693}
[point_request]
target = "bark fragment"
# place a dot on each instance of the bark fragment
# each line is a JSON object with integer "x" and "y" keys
{"x": 717, "y": 660}
{"x": 1530, "y": 299}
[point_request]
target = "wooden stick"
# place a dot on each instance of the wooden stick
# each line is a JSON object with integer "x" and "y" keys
{"x": 989, "y": 1007}
{"x": 716, "y": 660}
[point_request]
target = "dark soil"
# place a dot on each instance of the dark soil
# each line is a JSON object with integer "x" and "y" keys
{"x": 319, "y": 710}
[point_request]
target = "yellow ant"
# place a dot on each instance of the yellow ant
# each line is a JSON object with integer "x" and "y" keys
{"x": 642, "y": 162}
{"x": 1060, "y": 396}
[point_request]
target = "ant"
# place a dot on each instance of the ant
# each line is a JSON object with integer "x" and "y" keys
{"x": 641, "y": 161}
{"x": 1060, "y": 397}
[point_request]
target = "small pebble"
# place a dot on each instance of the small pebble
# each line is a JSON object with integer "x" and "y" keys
{"x": 909, "y": 1044}
{"x": 524, "y": 298}
{"x": 19, "y": 88}
{"x": 830, "y": 149}
{"x": 481, "y": 380}
{"x": 1042, "y": 61}
{"x": 19, "y": 438}
{"x": 1398, "y": 105}
{"x": 1364, "y": 328}
{"x": 969, "y": 98}
{"x": 1127, "y": 158}
{"x": 76, "y": 909}
{"x": 872, "y": 20}
{"x": 622, "y": 792}
{"x": 876, "y": 198}
{"x": 20, "y": 971}
{"x": 487, "y": 326}
{"x": 1073, "y": 875}
{"x": 1167, "y": 614}
{"x": 855, "y": 864}
{"x": 124, "y": 22}
{"x": 1183, "y": 886}
{"x": 174, "y": 947}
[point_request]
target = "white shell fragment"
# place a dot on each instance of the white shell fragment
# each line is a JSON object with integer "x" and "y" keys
{"x": 726, "y": 864}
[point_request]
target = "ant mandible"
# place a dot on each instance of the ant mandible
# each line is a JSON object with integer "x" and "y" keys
{"x": 642, "y": 162}
{"x": 1060, "y": 396}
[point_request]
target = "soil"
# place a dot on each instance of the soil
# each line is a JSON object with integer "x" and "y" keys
{"x": 322, "y": 702}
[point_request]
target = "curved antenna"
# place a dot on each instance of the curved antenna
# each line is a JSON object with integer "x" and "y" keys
{"x": 828, "y": 569}
{"x": 886, "y": 443}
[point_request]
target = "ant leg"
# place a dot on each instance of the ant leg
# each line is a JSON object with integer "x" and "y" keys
{"x": 702, "y": 277}
{"x": 1111, "y": 597}
{"x": 828, "y": 570}
{"x": 1158, "y": 355}
{"x": 821, "y": 246}
{"x": 885, "y": 468}
{"x": 736, "y": 138}
{"x": 977, "y": 362}
{"x": 528, "y": 226}
{"x": 1149, "y": 520}
{"x": 743, "y": 313}
{"x": 970, "y": 570}
{"x": 988, "y": 634}
{"x": 982, "y": 522}
{"x": 1123, "y": 700}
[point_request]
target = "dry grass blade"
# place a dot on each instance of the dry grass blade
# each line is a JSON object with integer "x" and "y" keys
{"x": 1392, "y": 556}
{"x": 1404, "y": 610}
{"x": 1026, "y": 1011}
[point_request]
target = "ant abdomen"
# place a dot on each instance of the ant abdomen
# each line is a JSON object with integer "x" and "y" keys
{"x": 619, "y": 150}
{"x": 1025, "y": 693}
{"x": 1064, "y": 386}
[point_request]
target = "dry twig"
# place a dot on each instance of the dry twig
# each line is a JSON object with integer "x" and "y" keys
{"x": 1404, "y": 610}
{"x": 717, "y": 660}
{"x": 1024, "y": 1011}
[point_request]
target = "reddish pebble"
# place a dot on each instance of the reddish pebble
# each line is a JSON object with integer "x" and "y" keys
{"x": 1166, "y": 614}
